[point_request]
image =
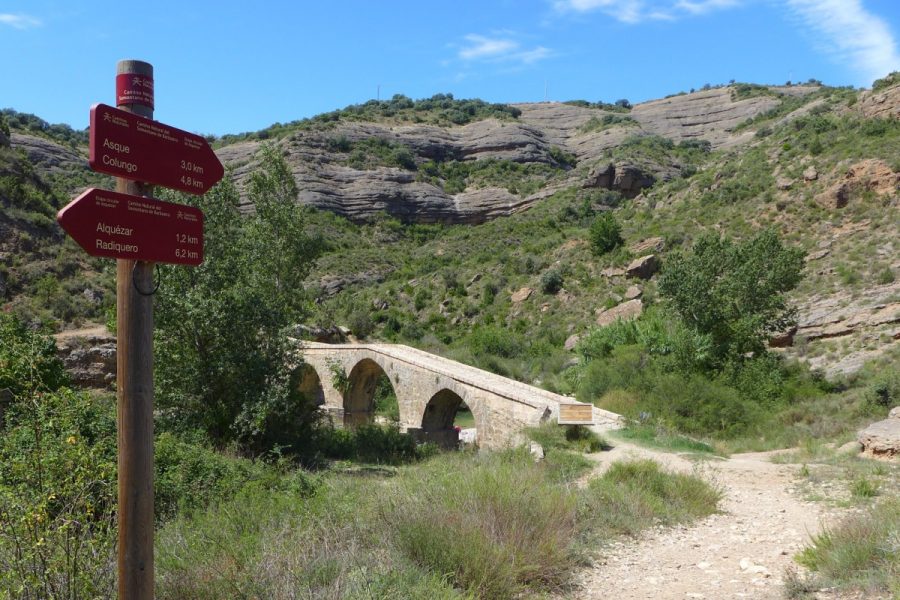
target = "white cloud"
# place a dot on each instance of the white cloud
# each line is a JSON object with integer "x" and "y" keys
{"x": 702, "y": 7}
{"x": 637, "y": 11}
{"x": 501, "y": 48}
{"x": 627, "y": 11}
{"x": 485, "y": 47}
{"x": 19, "y": 21}
{"x": 853, "y": 35}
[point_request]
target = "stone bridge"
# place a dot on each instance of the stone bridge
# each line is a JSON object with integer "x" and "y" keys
{"x": 430, "y": 390}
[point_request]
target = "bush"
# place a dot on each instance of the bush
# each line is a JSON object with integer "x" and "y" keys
{"x": 551, "y": 281}
{"x": 861, "y": 552}
{"x": 632, "y": 496}
{"x": 886, "y": 82}
{"x": 493, "y": 340}
{"x": 28, "y": 362}
{"x": 494, "y": 523}
{"x": 605, "y": 234}
{"x": 189, "y": 477}
{"x": 568, "y": 437}
{"x": 690, "y": 402}
{"x": 58, "y": 497}
{"x": 379, "y": 444}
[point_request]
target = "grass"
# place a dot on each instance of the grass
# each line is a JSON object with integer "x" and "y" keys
{"x": 264, "y": 545}
{"x": 663, "y": 438}
{"x": 464, "y": 419}
{"x": 460, "y": 525}
{"x": 570, "y": 437}
{"x": 494, "y": 523}
{"x": 632, "y": 496}
{"x": 861, "y": 553}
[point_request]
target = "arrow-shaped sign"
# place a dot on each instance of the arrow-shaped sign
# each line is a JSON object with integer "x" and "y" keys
{"x": 126, "y": 145}
{"x": 118, "y": 225}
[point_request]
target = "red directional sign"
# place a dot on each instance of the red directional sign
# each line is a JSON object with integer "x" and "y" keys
{"x": 126, "y": 145}
{"x": 118, "y": 225}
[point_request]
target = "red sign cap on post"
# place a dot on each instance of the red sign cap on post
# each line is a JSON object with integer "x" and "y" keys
{"x": 134, "y": 89}
{"x": 117, "y": 225}
{"x": 134, "y": 84}
{"x": 126, "y": 145}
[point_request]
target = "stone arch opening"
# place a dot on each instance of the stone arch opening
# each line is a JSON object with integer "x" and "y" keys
{"x": 359, "y": 398}
{"x": 439, "y": 417}
{"x": 309, "y": 385}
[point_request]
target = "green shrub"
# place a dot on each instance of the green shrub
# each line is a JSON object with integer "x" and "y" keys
{"x": 58, "y": 497}
{"x": 607, "y": 122}
{"x": 632, "y": 496}
{"x": 371, "y": 443}
{"x": 496, "y": 341}
{"x": 28, "y": 362}
{"x": 189, "y": 477}
{"x": 566, "y": 437}
{"x": 861, "y": 552}
{"x": 551, "y": 281}
{"x": 494, "y": 523}
{"x": 605, "y": 234}
{"x": 563, "y": 158}
{"x": 886, "y": 82}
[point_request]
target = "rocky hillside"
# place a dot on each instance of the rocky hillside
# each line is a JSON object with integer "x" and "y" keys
{"x": 544, "y": 134}
{"x": 817, "y": 163}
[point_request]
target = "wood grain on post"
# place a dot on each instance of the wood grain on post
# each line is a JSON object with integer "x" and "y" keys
{"x": 134, "y": 376}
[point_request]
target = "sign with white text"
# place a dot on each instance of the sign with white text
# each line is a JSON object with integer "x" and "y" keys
{"x": 117, "y": 225}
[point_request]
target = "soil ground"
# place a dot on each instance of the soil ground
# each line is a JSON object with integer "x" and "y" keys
{"x": 744, "y": 551}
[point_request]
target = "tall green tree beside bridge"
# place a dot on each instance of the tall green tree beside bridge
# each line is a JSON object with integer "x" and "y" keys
{"x": 220, "y": 340}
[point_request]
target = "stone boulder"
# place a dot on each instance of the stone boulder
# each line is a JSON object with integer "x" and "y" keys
{"x": 571, "y": 342}
{"x": 882, "y": 439}
{"x": 653, "y": 245}
{"x": 624, "y": 312}
{"x": 633, "y": 292}
{"x": 644, "y": 267}
{"x": 883, "y": 104}
{"x": 522, "y": 295}
{"x": 90, "y": 359}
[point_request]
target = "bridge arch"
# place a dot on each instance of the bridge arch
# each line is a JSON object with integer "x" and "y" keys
{"x": 308, "y": 383}
{"x": 359, "y": 395}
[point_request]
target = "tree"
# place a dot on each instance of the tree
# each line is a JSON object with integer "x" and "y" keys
{"x": 605, "y": 234}
{"x": 28, "y": 362}
{"x": 733, "y": 292}
{"x": 221, "y": 343}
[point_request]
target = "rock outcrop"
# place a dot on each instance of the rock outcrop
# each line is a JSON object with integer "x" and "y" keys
{"x": 882, "y": 104}
{"x": 319, "y": 157}
{"x": 882, "y": 438}
{"x": 48, "y": 155}
{"x": 89, "y": 357}
{"x": 868, "y": 175}
{"x": 857, "y": 321}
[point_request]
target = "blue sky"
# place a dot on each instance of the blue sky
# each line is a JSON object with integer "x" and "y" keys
{"x": 227, "y": 66}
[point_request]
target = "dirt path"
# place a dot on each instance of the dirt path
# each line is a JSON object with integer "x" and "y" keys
{"x": 741, "y": 553}
{"x": 87, "y": 332}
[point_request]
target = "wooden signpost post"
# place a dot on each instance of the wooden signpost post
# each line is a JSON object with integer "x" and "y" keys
{"x": 139, "y": 231}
